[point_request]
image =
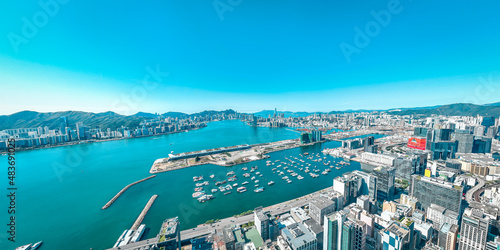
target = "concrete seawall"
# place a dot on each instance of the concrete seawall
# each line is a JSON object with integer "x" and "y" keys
{"x": 138, "y": 222}
{"x": 123, "y": 190}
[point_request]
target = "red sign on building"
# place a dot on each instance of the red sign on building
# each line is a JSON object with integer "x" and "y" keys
{"x": 417, "y": 143}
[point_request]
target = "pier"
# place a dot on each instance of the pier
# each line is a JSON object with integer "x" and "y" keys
{"x": 123, "y": 190}
{"x": 138, "y": 222}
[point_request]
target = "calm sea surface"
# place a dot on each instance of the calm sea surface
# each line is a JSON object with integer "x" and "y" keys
{"x": 61, "y": 190}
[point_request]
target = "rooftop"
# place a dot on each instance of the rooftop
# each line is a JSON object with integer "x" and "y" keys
{"x": 321, "y": 202}
{"x": 298, "y": 235}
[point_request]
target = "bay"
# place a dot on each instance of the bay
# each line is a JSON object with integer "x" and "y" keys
{"x": 61, "y": 190}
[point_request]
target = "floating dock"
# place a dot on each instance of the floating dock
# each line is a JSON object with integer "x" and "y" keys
{"x": 143, "y": 213}
{"x": 123, "y": 190}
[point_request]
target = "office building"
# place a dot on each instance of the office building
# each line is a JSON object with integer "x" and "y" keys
{"x": 348, "y": 186}
{"x": 353, "y": 235}
{"x": 474, "y": 230}
{"x": 261, "y": 223}
{"x": 465, "y": 142}
{"x": 447, "y": 236}
{"x": 320, "y": 207}
{"x": 368, "y": 184}
{"x": 395, "y": 237}
{"x": 385, "y": 182}
{"x": 332, "y": 230}
{"x": 299, "y": 237}
{"x": 433, "y": 191}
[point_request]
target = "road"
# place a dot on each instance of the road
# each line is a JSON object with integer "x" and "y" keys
{"x": 469, "y": 196}
{"x": 277, "y": 209}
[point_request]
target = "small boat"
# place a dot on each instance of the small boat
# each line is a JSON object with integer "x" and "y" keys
{"x": 198, "y": 189}
{"x": 198, "y": 194}
{"x": 256, "y": 181}
{"x": 257, "y": 173}
{"x": 226, "y": 193}
{"x": 241, "y": 189}
{"x": 289, "y": 181}
{"x": 253, "y": 178}
{"x": 244, "y": 169}
{"x": 36, "y": 245}
{"x": 246, "y": 175}
{"x": 212, "y": 176}
{"x": 244, "y": 183}
{"x": 300, "y": 177}
{"x": 235, "y": 184}
{"x": 25, "y": 247}
{"x": 270, "y": 183}
{"x": 215, "y": 190}
{"x": 230, "y": 173}
{"x": 258, "y": 190}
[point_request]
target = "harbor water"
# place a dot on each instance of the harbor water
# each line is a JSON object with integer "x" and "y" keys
{"x": 60, "y": 191}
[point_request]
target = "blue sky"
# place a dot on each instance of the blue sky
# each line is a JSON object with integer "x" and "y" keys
{"x": 246, "y": 55}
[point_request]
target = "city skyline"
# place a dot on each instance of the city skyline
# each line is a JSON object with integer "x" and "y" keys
{"x": 248, "y": 58}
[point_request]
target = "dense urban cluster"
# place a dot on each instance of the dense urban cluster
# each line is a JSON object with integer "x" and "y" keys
{"x": 434, "y": 183}
{"x": 27, "y": 138}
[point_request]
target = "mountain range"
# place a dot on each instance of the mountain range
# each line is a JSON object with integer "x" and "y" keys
{"x": 112, "y": 120}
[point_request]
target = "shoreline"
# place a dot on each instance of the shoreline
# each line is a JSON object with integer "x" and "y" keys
{"x": 22, "y": 149}
{"x": 254, "y": 153}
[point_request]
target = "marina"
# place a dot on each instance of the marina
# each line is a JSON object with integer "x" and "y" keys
{"x": 126, "y": 164}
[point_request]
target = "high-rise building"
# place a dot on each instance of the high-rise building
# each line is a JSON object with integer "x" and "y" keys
{"x": 433, "y": 191}
{"x": 320, "y": 207}
{"x": 353, "y": 235}
{"x": 332, "y": 230}
{"x": 261, "y": 223}
{"x": 347, "y": 185}
{"x": 406, "y": 166}
{"x": 385, "y": 182}
{"x": 169, "y": 237}
{"x": 420, "y": 132}
{"x": 465, "y": 142}
{"x": 481, "y": 145}
{"x": 299, "y": 237}
{"x": 64, "y": 125}
{"x": 80, "y": 130}
{"x": 396, "y": 237}
{"x": 474, "y": 231}
{"x": 368, "y": 184}
{"x": 447, "y": 236}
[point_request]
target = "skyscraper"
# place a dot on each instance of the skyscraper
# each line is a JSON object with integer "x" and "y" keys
{"x": 465, "y": 142}
{"x": 447, "y": 236}
{"x": 261, "y": 223}
{"x": 332, "y": 223}
{"x": 385, "y": 182}
{"x": 474, "y": 230}
{"x": 64, "y": 125}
